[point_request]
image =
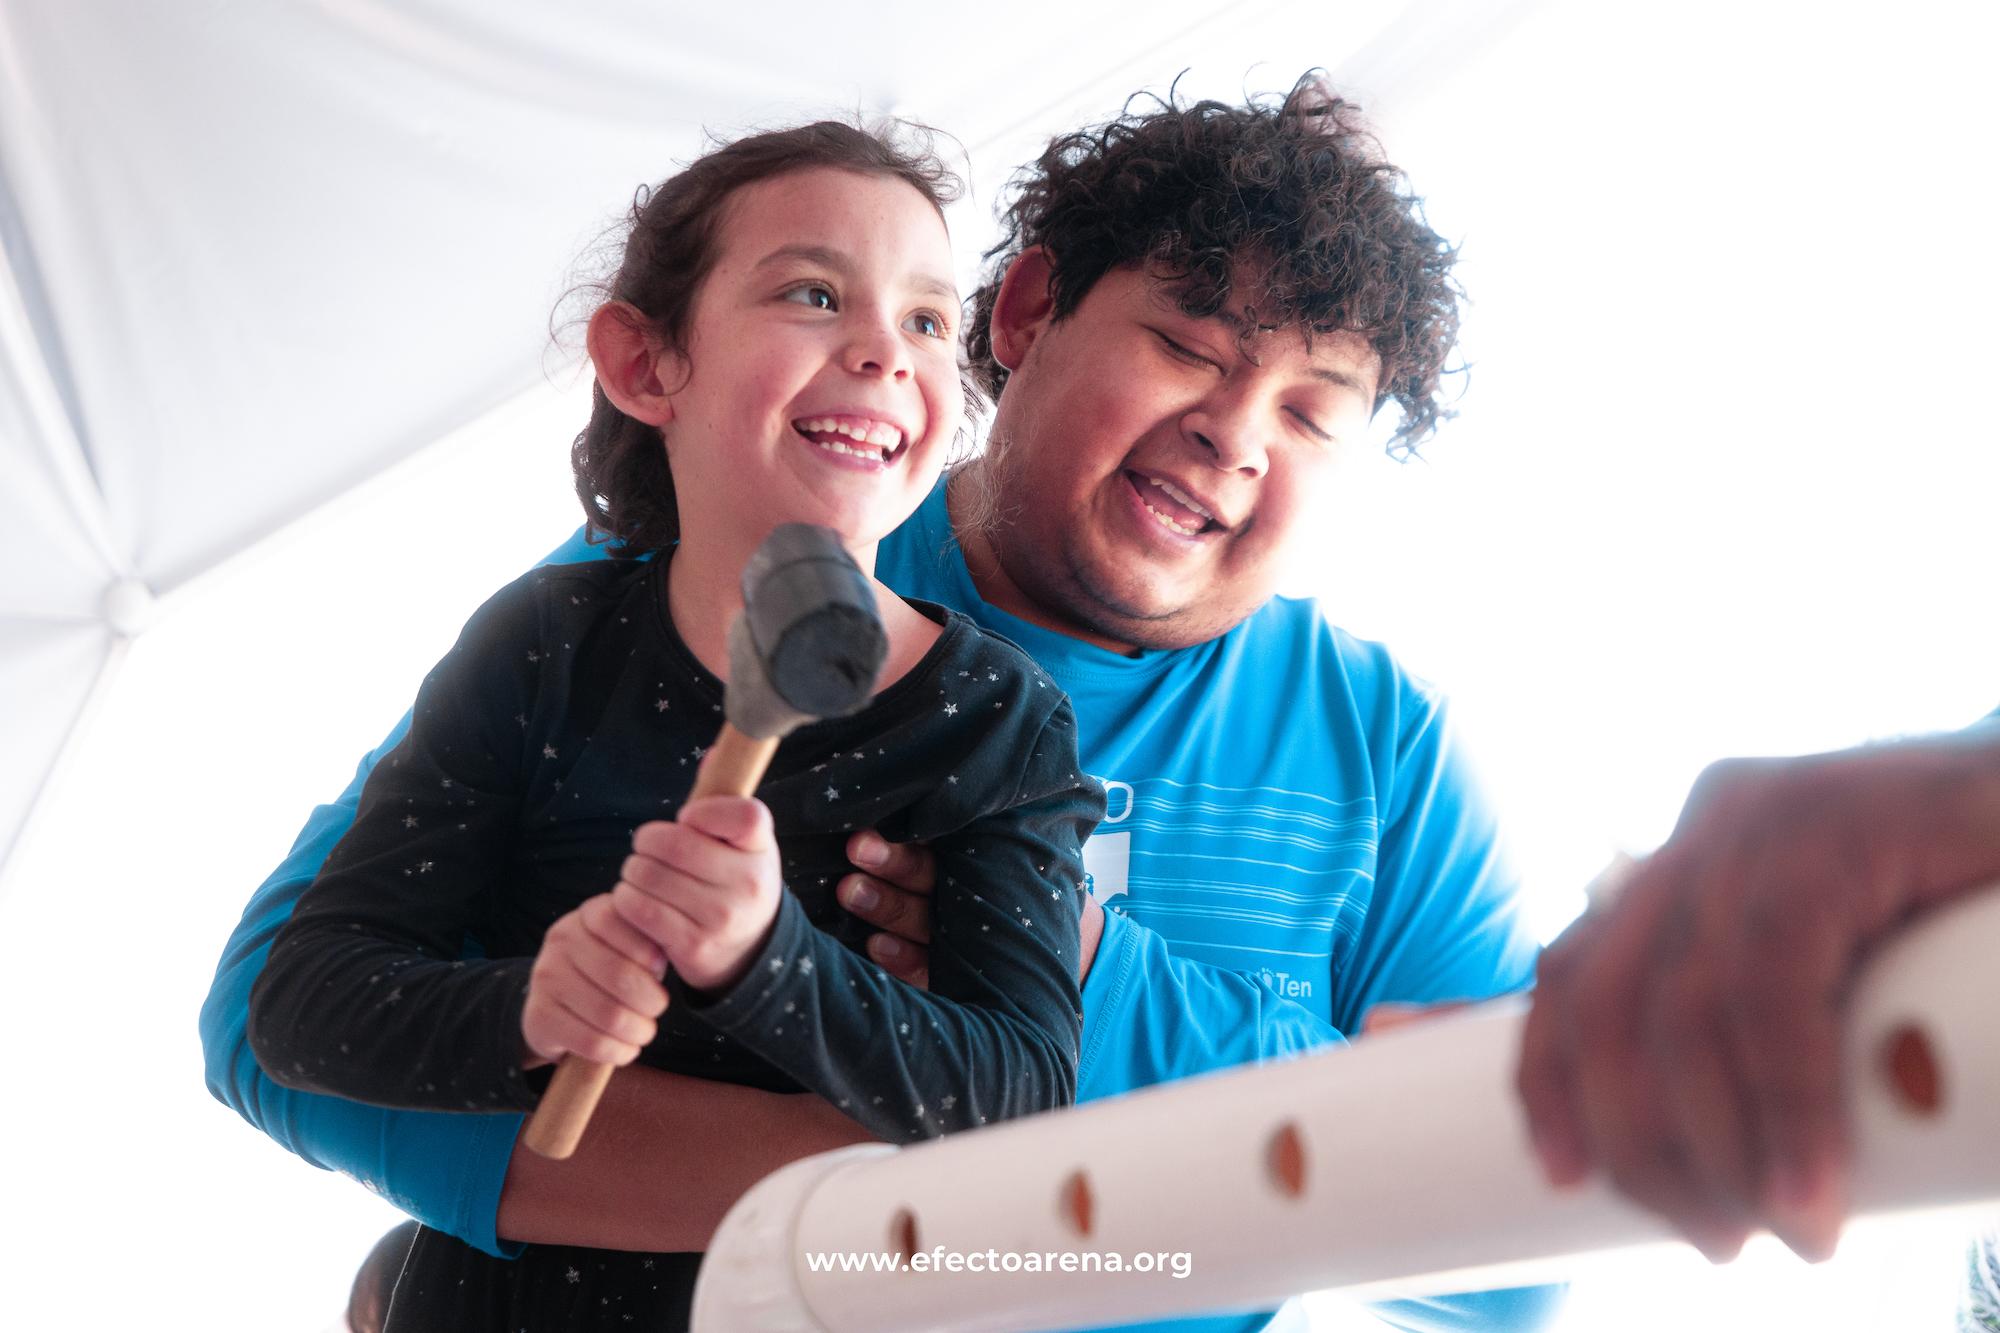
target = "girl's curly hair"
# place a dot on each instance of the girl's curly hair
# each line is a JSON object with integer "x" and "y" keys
{"x": 1288, "y": 197}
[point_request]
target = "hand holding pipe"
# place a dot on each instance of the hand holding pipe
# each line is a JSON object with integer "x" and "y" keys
{"x": 1396, "y": 1166}
{"x": 807, "y": 645}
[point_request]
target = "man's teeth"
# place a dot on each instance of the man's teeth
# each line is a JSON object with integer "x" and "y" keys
{"x": 1181, "y": 497}
{"x": 1176, "y": 493}
{"x": 1166, "y": 522}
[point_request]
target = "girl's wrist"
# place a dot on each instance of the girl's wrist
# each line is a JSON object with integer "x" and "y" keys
{"x": 737, "y": 970}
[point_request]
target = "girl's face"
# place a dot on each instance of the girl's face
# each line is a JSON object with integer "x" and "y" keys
{"x": 820, "y": 383}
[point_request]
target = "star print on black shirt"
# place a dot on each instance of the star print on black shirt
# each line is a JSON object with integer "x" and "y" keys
{"x": 569, "y": 713}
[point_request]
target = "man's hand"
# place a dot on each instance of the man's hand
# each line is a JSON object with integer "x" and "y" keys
{"x": 1686, "y": 1035}
{"x": 704, "y": 888}
{"x": 894, "y": 892}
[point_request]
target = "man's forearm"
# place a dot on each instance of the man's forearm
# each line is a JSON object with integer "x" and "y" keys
{"x": 665, "y": 1157}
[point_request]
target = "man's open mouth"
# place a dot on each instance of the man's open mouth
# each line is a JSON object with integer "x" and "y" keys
{"x": 1171, "y": 507}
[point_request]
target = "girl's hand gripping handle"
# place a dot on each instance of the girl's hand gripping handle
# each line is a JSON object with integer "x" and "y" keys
{"x": 733, "y": 767}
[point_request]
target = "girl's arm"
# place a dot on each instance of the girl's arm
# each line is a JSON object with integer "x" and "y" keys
{"x": 365, "y": 993}
{"x": 444, "y": 1170}
{"x": 466, "y": 1175}
{"x": 996, "y": 1036}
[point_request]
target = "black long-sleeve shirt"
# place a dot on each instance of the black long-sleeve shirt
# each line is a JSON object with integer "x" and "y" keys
{"x": 569, "y": 713}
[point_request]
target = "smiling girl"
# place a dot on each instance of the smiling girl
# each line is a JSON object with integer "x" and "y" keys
{"x": 777, "y": 346}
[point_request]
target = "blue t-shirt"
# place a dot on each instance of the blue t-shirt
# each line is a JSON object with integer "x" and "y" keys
{"x": 1291, "y": 838}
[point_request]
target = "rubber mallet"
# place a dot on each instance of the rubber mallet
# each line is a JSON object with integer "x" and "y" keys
{"x": 808, "y": 645}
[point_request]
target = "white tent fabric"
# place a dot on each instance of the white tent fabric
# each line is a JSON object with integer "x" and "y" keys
{"x": 255, "y": 254}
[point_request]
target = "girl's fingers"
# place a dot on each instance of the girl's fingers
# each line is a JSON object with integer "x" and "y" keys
{"x": 612, "y": 972}
{"x": 743, "y": 822}
{"x": 579, "y": 994}
{"x": 723, "y": 889}
{"x": 676, "y": 867}
{"x": 660, "y": 921}
{"x": 613, "y": 932}
{"x": 558, "y": 1032}
{"x": 566, "y": 1014}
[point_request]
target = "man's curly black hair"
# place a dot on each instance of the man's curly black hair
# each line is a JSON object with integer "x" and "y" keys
{"x": 1288, "y": 198}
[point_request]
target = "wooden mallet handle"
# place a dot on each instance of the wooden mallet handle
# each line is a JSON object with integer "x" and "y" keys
{"x": 733, "y": 768}
{"x": 808, "y": 644}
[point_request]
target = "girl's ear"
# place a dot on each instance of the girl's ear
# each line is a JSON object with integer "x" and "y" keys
{"x": 628, "y": 361}
{"x": 1024, "y": 308}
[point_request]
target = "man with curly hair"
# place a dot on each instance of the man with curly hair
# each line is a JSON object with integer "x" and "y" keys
{"x": 1195, "y": 309}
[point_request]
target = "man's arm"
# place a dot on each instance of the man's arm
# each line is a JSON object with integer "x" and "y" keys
{"x": 443, "y": 1169}
{"x": 1445, "y": 919}
{"x": 626, "y": 1188}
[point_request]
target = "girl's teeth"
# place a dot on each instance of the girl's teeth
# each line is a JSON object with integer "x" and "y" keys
{"x": 879, "y": 455}
{"x": 878, "y": 434}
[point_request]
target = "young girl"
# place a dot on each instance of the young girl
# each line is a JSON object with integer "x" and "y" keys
{"x": 778, "y": 346}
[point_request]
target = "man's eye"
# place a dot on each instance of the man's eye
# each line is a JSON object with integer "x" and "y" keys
{"x": 927, "y": 322}
{"x": 1186, "y": 354}
{"x": 1311, "y": 427}
{"x": 817, "y": 295}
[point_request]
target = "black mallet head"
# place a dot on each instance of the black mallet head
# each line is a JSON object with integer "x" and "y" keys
{"x": 810, "y": 642}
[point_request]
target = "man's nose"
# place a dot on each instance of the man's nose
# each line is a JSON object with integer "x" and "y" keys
{"x": 1232, "y": 431}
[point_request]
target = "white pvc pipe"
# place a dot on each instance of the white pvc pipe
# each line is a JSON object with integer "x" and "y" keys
{"x": 1412, "y": 1174}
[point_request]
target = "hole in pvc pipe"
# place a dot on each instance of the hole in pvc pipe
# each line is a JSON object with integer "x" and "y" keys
{"x": 1286, "y": 1161}
{"x": 1077, "y": 1205}
{"x": 903, "y": 1233}
{"x": 1912, "y": 1067}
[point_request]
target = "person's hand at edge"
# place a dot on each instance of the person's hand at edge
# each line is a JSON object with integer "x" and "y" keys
{"x": 1686, "y": 1035}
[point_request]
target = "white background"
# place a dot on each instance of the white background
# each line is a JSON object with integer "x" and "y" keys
{"x": 1723, "y": 483}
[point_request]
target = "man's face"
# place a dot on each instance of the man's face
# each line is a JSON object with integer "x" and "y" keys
{"x": 1150, "y": 467}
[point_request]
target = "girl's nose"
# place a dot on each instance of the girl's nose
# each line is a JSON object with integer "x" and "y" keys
{"x": 877, "y": 350}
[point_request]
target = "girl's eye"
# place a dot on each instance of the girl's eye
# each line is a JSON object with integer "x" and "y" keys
{"x": 927, "y": 322}
{"x": 817, "y": 295}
